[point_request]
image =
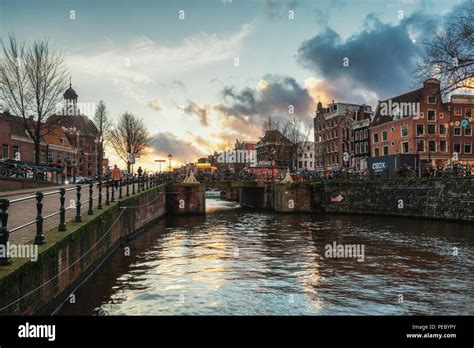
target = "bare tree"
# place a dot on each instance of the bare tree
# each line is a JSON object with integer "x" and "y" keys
{"x": 129, "y": 137}
{"x": 31, "y": 83}
{"x": 449, "y": 55}
{"x": 294, "y": 131}
{"x": 104, "y": 125}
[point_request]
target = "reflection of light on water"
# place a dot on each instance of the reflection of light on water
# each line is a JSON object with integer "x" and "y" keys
{"x": 216, "y": 204}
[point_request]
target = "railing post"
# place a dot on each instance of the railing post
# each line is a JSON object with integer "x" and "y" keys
{"x": 139, "y": 184}
{"x": 39, "y": 238}
{"x": 128, "y": 187}
{"x": 113, "y": 191}
{"x": 91, "y": 189}
{"x": 62, "y": 210}
{"x": 4, "y": 233}
{"x": 107, "y": 193}
{"x": 133, "y": 184}
{"x": 99, "y": 202}
{"x": 120, "y": 189}
{"x": 78, "y": 204}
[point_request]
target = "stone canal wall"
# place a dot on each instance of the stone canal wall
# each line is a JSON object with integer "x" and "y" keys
{"x": 445, "y": 199}
{"x": 28, "y": 287}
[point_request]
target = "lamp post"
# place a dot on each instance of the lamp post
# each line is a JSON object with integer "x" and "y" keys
{"x": 170, "y": 156}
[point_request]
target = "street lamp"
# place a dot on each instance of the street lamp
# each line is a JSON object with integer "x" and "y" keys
{"x": 170, "y": 157}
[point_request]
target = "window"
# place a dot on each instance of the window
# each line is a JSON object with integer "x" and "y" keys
{"x": 405, "y": 147}
{"x": 431, "y": 99}
{"x": 431, "y": 115}
{"x": 432, "y": 146}
{"x": 442, "y": 129}
{"x": 442, "y": 146}
{"x": 467, "y": 148}
{"x": 431, "y": 129}
{"x": 457, "y": 112}
{"x": 420, "y": 129}
{"x": 392, "y": 129}
{"x": 366, "y": 133}
{"x": 376, "y": 137}
{"x": 16, "y": 150}
{"x": 457, "y": 131}
{"x": 356, "y": 135}
{"x": 376, "y": 152}
{"x": 357, "y": 149}
{"x": 420, "y": 145}
{"x": 404, "y": 130}
{"x": 4, "y": 151}
{"x": 392, "y": 143}
{"x": 468, "y": 130}
{"x": 366, "y": 147}
{"x": 468, "y": 113}
{"x": 441, "y": 115}
{"x": 422, "y": 115}
{"x": 385, "y": 150}
{"x": 384, "y": 136}
{"x": 457, "y": 148}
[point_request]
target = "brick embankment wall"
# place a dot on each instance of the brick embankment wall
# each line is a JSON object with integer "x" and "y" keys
{"x": 70, "y": 255}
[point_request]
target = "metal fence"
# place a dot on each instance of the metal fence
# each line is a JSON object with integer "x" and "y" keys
{"x": 125, "y": 188}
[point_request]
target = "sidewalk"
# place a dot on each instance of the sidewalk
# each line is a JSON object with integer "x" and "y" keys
{"x": 25, "y": 192}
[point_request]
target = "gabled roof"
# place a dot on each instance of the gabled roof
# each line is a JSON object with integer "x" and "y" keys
{"x": 415, "y": 96}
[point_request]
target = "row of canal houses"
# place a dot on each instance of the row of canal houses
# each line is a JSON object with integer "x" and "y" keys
{"x": 415, "y": 123}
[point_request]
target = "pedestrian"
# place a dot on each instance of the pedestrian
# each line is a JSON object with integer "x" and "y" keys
{"x": 140, "y": 171}
{"x": 116, "y": 175}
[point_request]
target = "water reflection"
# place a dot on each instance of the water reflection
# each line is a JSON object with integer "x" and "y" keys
{"x": 242, "y": 262}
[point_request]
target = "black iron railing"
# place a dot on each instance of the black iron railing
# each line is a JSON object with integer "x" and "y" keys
{"x": 137, "y": 183}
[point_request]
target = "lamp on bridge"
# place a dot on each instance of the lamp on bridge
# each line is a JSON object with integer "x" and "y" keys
{"x": 170, "y": 156}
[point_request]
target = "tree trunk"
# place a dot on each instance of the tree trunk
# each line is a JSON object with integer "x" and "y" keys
{"x": 128, "y": 167}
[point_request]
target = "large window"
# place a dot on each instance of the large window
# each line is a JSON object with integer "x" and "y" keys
{"x": 405, "y": 147}
{"x": 457, "y": 148}
{"x": 468, "y": 113}
{"x": 442, "y": 146}
{"x": 420, "y": 129}
{"x": 404, "y": 130}
{"x": 385, "y": 150}
{"x": 467, "y": 148}
{"x": 432, "y": 146}
{"x": 431, "y": 99}
{"x": 431, "y": 115}
{"x": 384, "y": 136}
{"x": 420, "y": 145}
{"x": 4, "y": 151}
{"x": 366, "y": 147}
{"x": 357, "y": 148}
{"x": 468, "y": 130}
{"x": 442, "y": 129}
{"x": 457, "y": 131}
{"x": 376, "y": 137}
{"x": 431, "y": 129}
{"x": 376, "y": 152}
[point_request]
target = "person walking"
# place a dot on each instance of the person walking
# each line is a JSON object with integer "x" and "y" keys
{"x": 116, "y": 175}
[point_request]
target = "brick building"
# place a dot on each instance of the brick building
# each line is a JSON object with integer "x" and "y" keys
{"x": 419, "y": 122}
{"x": 333, "y": 134}
{"x": 81, "y": 133}
{"x": 275, "y": 148}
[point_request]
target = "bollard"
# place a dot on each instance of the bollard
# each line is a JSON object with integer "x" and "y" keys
{"x": 113, "y": 191}
{"x": 78, "y": 204}
{"x": 139, "y": 184}
{"x": 62, "y": 210}
{"x": 133, "y": 184}
{"x": 128, "y": 188}
{"x": 91, "y": 189}
{"x": 99, "y": 202}
{"x": 4, "y": 233}
{"x": 120, "y": 189}
{"x": 107, "y": 194}
{"x": 39, "y": 238}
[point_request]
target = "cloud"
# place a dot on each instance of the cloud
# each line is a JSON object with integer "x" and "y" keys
{"x": 131, "y": 67}
{"x": 154, "y": 104}
{"x": 381, "y": 56}
{"x": 277, "y": 96}
{"x": 202, "y": 112}
{"x": 184, "y": 151}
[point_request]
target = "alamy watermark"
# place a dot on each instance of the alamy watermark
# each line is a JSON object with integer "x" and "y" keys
{"x": 336, "y": 250}
{"x": 400, "y": 109}
{"x": 21, "y": 251}
{"x": 238, "y": 156}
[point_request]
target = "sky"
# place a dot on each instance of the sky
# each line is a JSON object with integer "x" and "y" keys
{"x": 202, "y": 73}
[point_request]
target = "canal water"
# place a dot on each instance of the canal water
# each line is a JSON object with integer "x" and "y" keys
{"x": 243, "y": 262}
